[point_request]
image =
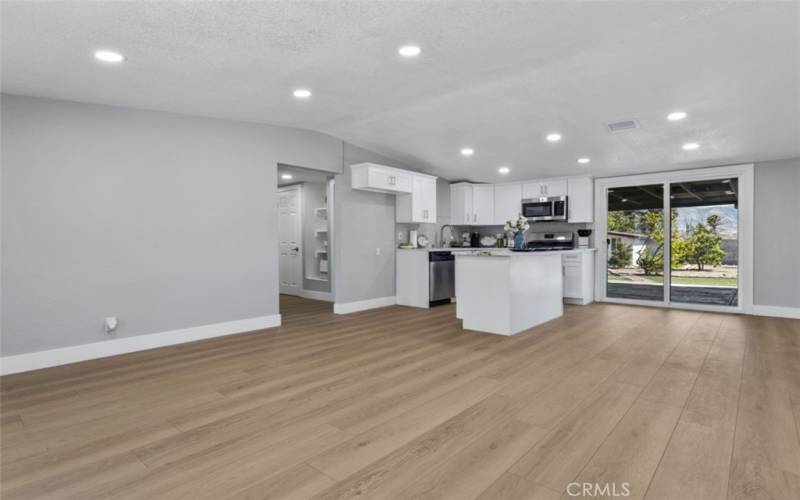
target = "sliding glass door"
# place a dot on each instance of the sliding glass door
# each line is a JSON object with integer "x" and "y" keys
{"x": 705, "y": 243}
{"x": 676, "y": 238}
{"x": 635, "y": 242}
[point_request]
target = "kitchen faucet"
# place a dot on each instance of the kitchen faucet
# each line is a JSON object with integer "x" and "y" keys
{"x": 441, "y": 235}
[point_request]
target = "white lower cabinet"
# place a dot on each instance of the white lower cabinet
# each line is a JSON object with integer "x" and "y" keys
{"x": 578, "y": 271}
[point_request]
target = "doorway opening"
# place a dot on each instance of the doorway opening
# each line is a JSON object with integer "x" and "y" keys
{"x": 305, "y": 236}
{"x": 679, "y": 239}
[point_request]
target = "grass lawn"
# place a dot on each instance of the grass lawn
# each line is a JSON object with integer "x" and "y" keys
{"x": 682, "y": 280}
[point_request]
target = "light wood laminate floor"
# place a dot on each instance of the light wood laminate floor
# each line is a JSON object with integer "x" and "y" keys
{"x": 403, "y": 403}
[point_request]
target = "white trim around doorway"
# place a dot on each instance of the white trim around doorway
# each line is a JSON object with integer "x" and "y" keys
{"x": 744, "y": 173}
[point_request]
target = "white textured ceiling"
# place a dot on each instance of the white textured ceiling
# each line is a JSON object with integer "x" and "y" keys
{"x": 496, "y": 76}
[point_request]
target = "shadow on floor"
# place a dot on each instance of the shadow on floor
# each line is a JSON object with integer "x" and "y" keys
{"x": 718, "y": 296}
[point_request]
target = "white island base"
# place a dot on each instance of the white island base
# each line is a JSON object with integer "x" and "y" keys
{"x": 507, "y": 292}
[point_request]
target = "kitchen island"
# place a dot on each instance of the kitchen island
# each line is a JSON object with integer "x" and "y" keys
{"x": 506, "y": 292}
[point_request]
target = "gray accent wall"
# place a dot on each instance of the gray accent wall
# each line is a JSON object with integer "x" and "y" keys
{"x": 363, "y": 222}
{"x": 777, "y": 233}
{"x": 165, "y": 221}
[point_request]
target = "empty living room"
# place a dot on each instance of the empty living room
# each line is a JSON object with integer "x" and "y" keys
{"x": 387, "y": 249}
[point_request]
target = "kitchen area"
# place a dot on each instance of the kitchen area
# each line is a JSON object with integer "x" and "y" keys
{"x": 454, "y": 245}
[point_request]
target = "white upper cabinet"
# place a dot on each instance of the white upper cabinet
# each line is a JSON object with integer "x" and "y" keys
{"x": 420, "y": 204}
{"x": 580, "y": 199}
{"x": 461, "y": 204}
{"x": 471, "y": 204}
{"x": 380, "y": 178}
{"x": 507, "y": 202}
{"x": 483, "y": 204}
{"x": 539, "y": 189}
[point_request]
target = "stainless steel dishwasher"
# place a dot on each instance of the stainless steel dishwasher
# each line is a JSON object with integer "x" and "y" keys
{"x": 442, "y": 278}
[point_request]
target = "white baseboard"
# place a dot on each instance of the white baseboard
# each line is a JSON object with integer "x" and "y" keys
{"x": 363, "y": 305}
{"x": 73, "y": 354}
{"x": 315, "y": 295}
{"x": 781, "y": 312}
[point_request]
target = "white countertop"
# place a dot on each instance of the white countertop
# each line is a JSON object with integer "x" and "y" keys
{"x": 506, "y": 253}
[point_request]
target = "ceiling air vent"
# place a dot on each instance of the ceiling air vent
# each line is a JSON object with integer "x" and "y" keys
{"x": 623, "y": 125}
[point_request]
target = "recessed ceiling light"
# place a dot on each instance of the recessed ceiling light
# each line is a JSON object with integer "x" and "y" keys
{"x": 690, "y": 146}
{"x": 467, "y": 152}
{"x": 504, "y": 170}
{"x": 584, "y": 161}
{"x": 286, "y": 176}
{"x": 302, "y": 93}
{"x": 554, "y": 137}
{"x": 109, "y": 56}
{"x": 409, "y": 50}
{"x": 624, "y": 200}
{"x": 676, "y": 116}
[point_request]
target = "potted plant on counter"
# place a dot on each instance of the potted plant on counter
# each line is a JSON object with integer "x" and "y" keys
{"x": 518, "y": 227}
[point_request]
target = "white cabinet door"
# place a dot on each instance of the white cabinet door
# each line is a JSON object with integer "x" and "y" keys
{"x": 533, "y": 190}
{"x": 572, "y": 279}
{"x": 420, "y": 205}
{"x": 461, "y": 204}
{"x": 539, "y": 189}
{"x": 555, "y": 188}
{"x": 580, "y": 199}
{"x": 482, "y": 204}
{"x": 507, "y": 202}
{"x": 424, "y": 195}
{"x": 380, "y": 178}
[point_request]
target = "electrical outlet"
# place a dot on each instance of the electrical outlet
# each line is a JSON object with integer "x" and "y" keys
{"x": 111, "y": 324}
{"x": 378, "y": 251}
{"x": 401, "y": 237}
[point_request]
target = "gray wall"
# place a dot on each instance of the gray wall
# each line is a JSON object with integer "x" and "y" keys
{"x": 363, "y": 221}
{"x": 166, "y": 221}
{"x": 777, "y": 233}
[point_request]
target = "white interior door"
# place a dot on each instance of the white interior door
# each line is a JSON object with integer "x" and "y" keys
{"x": 290, "y": 258}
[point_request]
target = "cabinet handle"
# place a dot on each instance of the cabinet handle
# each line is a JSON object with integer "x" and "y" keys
{"x": 474, "y": 217}
{"x": 466, "y": 217}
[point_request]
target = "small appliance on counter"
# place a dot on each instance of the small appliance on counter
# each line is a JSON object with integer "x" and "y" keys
{"x": 474, "y": 240}
{"x": 412, "y": 238}
{"x": 488, "y": 241}
{"x": 583, "y": 237}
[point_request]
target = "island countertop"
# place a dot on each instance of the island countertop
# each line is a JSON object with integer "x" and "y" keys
{"x": 506, "y": 253}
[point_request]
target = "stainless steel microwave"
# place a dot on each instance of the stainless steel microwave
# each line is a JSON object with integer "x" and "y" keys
{"x": 545, "y": 209}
